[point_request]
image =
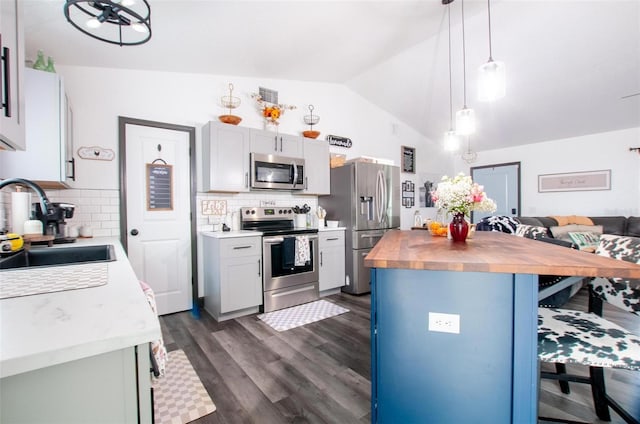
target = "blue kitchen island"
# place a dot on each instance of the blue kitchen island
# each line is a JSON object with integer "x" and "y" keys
{"x": 454, "y": 325}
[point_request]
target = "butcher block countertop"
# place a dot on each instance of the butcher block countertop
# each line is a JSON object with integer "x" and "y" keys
{"x": 491, "y": 252}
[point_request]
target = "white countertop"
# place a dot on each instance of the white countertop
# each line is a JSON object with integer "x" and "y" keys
{"x": 48, "y": 329}
{"x": 231, "y": 234}
{"x": 332, "y": 229}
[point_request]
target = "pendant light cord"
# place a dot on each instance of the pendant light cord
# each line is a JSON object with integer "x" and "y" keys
{"x": 489, "y": 14}
{"x": 464, "y": 62}
{"x": 450, "y": 85}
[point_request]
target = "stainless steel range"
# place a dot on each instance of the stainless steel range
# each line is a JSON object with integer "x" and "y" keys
{"x": 289, "y": 256}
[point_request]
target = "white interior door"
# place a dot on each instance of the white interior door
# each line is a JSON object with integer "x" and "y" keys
{"x": 502, "y": 184}
{"x": 158, "y": 210}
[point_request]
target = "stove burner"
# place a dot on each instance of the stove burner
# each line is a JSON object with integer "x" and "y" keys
{"x": 271, "y": 221}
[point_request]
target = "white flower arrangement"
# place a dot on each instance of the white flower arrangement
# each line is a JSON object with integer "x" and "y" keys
{"x": 460, "y": 195}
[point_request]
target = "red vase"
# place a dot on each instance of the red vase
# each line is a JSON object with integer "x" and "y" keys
{"x": 458, "y": 228}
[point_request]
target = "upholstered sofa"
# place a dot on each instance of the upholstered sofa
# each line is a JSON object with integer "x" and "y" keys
{"x": 557, "y": 230}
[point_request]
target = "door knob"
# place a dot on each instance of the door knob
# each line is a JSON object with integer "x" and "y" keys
{"x": 134, "y": 232}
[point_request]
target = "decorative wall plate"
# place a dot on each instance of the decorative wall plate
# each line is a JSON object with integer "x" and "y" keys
{"x": 96, "y": 153}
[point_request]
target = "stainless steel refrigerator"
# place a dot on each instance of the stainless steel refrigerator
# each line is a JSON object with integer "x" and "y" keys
{"x": 365, "y": 198}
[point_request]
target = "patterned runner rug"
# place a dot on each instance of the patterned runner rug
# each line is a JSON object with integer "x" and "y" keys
{"x": 179, "y": 396}
{"x": 285, "y": 319}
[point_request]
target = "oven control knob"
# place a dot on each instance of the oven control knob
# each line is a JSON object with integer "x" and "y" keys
{"x": 247, "y": 212}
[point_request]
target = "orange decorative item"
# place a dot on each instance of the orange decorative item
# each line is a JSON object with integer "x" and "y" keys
{"x": 311, "y": 120}
{"x": 271, "y": 112}
{"x": 230, "y": 102}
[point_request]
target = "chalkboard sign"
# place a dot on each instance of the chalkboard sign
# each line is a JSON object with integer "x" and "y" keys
{"x": 159, "y": 187}
{"x": 408, "y": 158}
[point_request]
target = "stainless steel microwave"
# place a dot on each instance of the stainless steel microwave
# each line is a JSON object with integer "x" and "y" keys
{"x": 276, "y": 172}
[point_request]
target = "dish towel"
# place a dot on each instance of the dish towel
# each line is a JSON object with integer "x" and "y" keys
{"x": 288, "y": 252}
{"x": 158, "y": 350}
{"x": 303, "y": 252}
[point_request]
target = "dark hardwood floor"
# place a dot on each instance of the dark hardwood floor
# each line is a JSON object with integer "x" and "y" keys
{"x": 320, "y": 373}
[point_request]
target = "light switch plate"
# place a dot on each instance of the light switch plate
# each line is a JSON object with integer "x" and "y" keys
{"x": 444, "y": 323}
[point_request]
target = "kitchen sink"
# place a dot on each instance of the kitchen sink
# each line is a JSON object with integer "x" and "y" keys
{"x": 59, "y": 256}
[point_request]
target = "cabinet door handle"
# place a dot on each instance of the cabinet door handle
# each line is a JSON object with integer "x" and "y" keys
{"x": 241, "y": 247}
{"x": 306, "y": 183}
{"x": 320, "y": 258}
{"x": 73, "y": 169}
{"x": 280, "y": 143}
{"x": 246, "y": 180}
{"x": 275, "y": 146}
{"x": 332, "y": 239}
{"x": 6, "y": 70}
{"x": 259, "y": 267}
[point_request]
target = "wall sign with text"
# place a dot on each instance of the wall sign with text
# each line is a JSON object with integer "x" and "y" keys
{"x": 336, "y": 140}
{"x": 159, "y": 187}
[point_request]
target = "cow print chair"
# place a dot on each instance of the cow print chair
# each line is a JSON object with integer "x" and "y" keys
{"x": 573, "y": 337}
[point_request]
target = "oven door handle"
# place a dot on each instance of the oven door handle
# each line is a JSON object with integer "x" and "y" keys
{"x": 273, "y": 240}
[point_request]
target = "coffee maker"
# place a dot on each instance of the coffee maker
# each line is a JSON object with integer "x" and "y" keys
{"x": 54, "y": 222}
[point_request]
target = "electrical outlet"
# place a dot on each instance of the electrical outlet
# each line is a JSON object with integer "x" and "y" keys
{"x": 444, "y": 323}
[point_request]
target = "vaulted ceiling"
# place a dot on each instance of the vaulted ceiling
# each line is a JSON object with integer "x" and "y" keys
{"x": 573, "y": 66}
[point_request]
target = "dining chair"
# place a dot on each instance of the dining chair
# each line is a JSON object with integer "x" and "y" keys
{"x": 587, "y": 338}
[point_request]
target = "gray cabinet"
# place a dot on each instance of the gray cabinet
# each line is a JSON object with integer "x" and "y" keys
{"x": 232, "y": 276}
{"x": 273, "y": 143}
{"x": 12, "y": 118}
{"x": 225, "y": 155}
{"x": 332, "y": 268}
{"x": 113, "y": 387}
{"x": 48, "y": 158}
{"x": 317, "y": 166}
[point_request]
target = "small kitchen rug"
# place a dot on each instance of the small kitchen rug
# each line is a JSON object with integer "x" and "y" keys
{"x": 286, "y": 319}
{"x": 179, "y": 396}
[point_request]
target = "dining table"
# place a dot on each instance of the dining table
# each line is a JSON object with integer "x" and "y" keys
{"x": 454, "y": 324}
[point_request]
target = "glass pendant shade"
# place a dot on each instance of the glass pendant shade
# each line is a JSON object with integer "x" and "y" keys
{"x": 465, "y": 121}
{"x": 491, "y": 81}
{"x": 451, "y": 141}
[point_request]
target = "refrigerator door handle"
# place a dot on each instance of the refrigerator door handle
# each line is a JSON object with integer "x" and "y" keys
{"x": 380, "y": 196}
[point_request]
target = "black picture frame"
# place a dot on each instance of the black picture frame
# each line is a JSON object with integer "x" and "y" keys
{"x": 408, "y": 159}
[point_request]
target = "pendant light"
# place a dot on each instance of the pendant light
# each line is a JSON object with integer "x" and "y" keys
{"x": 491, "y": 75}
{"x": 469, "y": 156}
{"x": 451, "y": 140}
{"x": 465, "y": 118}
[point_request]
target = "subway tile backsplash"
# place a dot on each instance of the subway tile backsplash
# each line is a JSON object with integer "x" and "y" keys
{"x": 100, "y": 209}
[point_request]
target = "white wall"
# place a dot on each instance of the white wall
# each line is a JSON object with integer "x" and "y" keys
{"x": 608, "y": 150}
{"x": 100, "y": 95}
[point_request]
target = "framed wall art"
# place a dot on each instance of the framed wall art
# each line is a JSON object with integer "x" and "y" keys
{"x": 575, "y": 181}
{"x": 408, "y": 159}
{"x": 408, "y": 194}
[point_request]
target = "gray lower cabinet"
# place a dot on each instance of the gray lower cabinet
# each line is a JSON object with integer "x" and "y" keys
{"x": 232, "y": 276}
{"x": 332, "y": 269}
{"x": 112, "y": 387}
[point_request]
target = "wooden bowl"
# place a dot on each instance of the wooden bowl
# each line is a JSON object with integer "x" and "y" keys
{"x": 230, "y": 119}
{"x": 311, "y": 134}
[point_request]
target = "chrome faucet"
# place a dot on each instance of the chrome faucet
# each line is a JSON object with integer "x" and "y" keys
{"x": 45, "y": 204}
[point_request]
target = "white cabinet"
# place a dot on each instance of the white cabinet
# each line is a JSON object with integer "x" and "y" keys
{"x": 225, "y": 154}
{"x": 273, "y": 143}
{"x": 317, "y": 166}
{"x": 112, "y": 387}
{"x": 48, "y": 159}
{"x": 232, "y": 276}
{"x": 332, "y": 268}
{"x": 12, "y": 115}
